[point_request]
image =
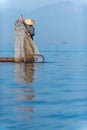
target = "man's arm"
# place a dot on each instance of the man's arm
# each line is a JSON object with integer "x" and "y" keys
{"x": 21, "y": 18}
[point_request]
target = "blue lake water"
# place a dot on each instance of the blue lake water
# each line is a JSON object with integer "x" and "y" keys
{"x": 45, "y": 96}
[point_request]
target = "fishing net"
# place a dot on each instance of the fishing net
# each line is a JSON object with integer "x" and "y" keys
{"x": 25, "y": 46}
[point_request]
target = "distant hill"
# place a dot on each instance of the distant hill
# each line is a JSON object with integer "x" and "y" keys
{"x": 62, "y": 22}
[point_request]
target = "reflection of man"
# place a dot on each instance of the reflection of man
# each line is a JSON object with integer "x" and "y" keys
{"x": 24, "y": 72}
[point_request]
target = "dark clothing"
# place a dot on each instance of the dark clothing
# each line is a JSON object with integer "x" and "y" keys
{"x": 31, "y": 30}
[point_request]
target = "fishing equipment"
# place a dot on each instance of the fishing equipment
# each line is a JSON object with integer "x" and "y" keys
{"x": 25, "y": 46}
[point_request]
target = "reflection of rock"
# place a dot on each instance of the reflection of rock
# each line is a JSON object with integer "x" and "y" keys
{"x": 24, "y": 72}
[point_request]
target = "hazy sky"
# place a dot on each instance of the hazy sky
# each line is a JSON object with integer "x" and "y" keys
{"x": 29, "y": 5}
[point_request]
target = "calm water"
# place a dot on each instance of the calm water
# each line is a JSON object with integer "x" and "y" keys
{"x": 49, "y": 96}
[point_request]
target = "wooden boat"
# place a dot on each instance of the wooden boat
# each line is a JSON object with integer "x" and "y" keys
{"x": 2, "y": 59}
{"x": 29, "y": 59}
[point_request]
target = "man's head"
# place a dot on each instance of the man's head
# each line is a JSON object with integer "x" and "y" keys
{"x": 29, "y": 22}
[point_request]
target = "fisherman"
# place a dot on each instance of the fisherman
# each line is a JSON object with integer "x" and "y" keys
{"x": 25, "y": 48}
{"x": 29, "y": 26}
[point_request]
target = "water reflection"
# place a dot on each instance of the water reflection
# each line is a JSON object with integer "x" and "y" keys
{"x": 24, "y": 73}
{"x": 29, "y": 72}
{"x": 17, "y": 96}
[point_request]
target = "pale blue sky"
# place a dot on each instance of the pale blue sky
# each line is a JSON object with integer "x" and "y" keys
{"x": 26, "y": 4}
{"x": 30, "y": 5}
{"x": 10, "y": 11}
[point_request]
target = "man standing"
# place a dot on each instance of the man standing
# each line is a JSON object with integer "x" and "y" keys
{"x": 29, "y": 26}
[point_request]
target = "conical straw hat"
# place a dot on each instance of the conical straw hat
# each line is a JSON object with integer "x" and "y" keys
{"x": 29, "y": 22}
